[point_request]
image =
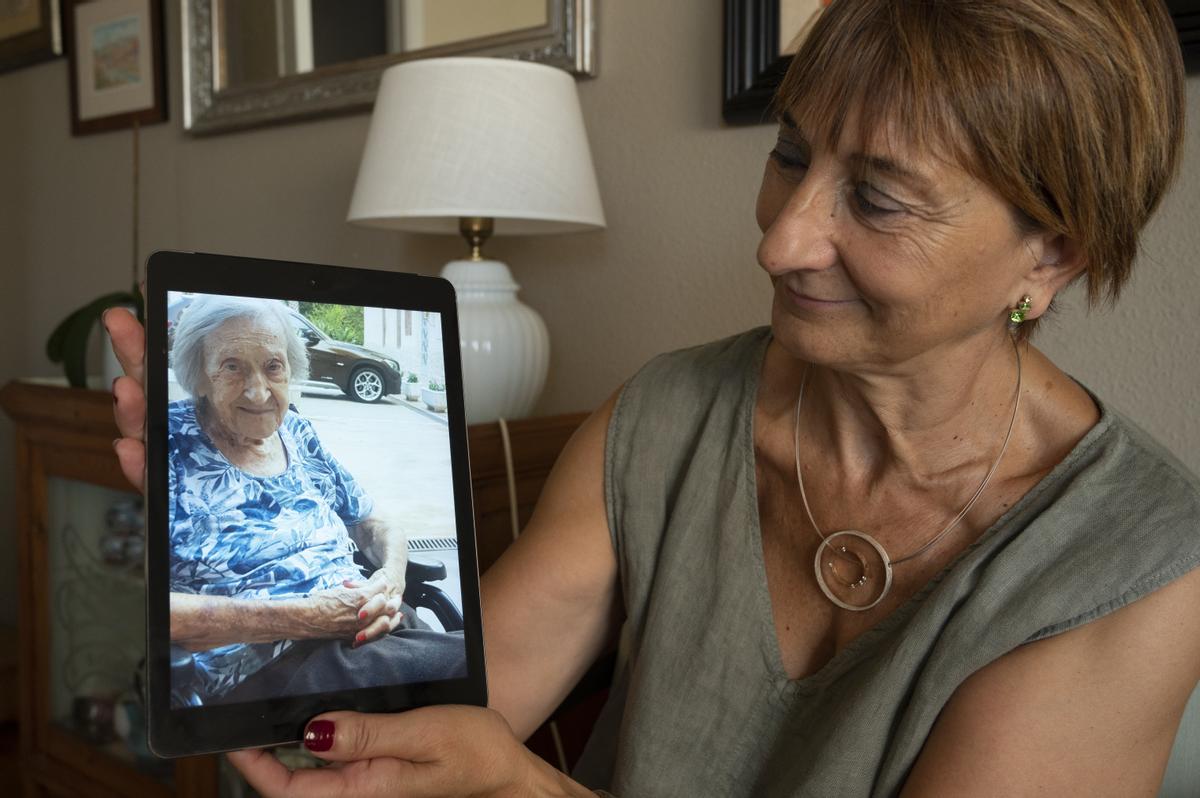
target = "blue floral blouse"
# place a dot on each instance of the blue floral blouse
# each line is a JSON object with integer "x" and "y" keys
{"x": 249, "y": 537}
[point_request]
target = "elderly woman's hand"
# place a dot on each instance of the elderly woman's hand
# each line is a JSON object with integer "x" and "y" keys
{"x": 129, "y": 396}
{"x": 380, "y": 614}
{"x": 358, "y": 611}
{"x": 427, "y": 752}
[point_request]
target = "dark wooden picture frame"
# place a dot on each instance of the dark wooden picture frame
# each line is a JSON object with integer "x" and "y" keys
{"x": 34, "y": 46}
{"x": 753, "y": 65}
{"x": 151, "y": 107}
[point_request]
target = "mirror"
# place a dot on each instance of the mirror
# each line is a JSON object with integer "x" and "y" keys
{"x": 269, "y": 61}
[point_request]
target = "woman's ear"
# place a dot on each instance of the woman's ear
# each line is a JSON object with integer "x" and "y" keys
{"x": 1058, "y": 261}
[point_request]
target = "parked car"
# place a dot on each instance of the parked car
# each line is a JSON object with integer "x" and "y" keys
{"x": 363, "y": 374}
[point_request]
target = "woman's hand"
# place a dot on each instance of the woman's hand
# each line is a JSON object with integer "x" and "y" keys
{"x": 342, "y": 612}
{"x": 380, "y": 614}
{"x": 432, "y": 751}
{"x": 129, "y": 395}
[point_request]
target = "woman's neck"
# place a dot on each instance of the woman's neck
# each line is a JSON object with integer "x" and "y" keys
{"x": 920, "y": 420}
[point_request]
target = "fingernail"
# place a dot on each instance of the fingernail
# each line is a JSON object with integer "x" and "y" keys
{"x": 362, "y": 615}
{"x": 115, "y": 442}
{"x": 361, "y": 636}
{"x": 113, "y": 389}
{"x": 318, "y": 736}
{"x": 104, "y": 318}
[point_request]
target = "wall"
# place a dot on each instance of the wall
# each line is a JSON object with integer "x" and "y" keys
{"x": 675, "y": 266}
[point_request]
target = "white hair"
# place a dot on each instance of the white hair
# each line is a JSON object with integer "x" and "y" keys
{"x": 208, "y": 312}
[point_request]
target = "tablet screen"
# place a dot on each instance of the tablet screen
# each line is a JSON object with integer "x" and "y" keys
{"x": 313, "y": 544}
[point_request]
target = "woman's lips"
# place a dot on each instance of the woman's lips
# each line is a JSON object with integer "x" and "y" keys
{"x": 806, "y": 301}
{"x": 263, "y": 412}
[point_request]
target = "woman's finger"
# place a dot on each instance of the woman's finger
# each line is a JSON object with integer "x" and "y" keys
{"x": 129, "y": 341}
{"x": 263, "y": 771}
{"x": 419, "y": 735}
{"x": 132, "y": 456}
{"x": 129, "y": 407}
{"x": 372, "y": 607}
{"x": 377, "y": 628}
{"x": 431, "y": 751}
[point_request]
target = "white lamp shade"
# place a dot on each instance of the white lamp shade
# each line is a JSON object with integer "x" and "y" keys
{"x": 484, "y": 137}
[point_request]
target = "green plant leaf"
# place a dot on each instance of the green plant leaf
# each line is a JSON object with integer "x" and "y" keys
{"x": 68, "y": 343}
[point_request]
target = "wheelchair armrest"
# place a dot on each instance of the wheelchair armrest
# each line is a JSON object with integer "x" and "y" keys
{"x": 419, "y": 570}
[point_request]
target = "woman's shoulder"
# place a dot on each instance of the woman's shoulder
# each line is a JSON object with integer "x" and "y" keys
{"x": 696, "y": 373}
{"x": 682, "y": 402}
{"x": 1117, "y": 520}
{"x": 1139, "y": 469}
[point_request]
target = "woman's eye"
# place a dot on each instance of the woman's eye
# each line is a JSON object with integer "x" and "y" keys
{"x": 232, "y": 368}
{"x": 788, "y": 156}
{"x": 872, "y": 202}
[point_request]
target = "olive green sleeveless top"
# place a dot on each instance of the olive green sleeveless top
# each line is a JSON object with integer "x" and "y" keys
{"x": 701, "y": 705}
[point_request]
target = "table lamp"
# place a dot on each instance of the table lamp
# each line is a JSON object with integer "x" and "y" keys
{"x": 481, "y": 147}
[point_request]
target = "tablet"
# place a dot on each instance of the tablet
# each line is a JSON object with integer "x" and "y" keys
{"x": 310, "y": 536}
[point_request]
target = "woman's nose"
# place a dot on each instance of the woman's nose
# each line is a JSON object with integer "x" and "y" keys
{"x": 800, "y": 234}
{"x": 256, "y": 388}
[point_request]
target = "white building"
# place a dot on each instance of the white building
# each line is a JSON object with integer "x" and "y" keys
{"x": 412, "y": 337}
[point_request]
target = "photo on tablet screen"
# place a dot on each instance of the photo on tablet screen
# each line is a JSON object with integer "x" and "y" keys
{"x": 310, "y": 503}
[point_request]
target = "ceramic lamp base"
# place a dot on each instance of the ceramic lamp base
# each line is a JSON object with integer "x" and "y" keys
{"x": 504, "y": 344}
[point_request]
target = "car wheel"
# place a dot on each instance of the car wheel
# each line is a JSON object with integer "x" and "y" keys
{"x": 366, "y": 384}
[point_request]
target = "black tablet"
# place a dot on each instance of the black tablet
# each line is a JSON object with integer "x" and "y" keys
{"x": 310, "y": 540}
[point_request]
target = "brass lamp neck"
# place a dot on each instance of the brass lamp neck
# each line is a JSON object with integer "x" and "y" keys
{"x": 476, "y": 230}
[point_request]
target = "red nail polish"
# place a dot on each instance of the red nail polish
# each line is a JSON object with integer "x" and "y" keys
{"x": 318, "y": 736}
{"x": 361, "y": 636}
{"x": 362, "y": 615}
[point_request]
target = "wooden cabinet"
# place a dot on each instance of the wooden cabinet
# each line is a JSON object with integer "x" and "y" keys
{"x": 73, "y": 600}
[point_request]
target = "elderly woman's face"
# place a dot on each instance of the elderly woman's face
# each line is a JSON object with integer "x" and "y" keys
{"x": 248, "y": 373}
{"x": 879, "y": 254}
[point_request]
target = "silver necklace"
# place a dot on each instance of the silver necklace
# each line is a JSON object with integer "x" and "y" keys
{"x": 853, "y": 561}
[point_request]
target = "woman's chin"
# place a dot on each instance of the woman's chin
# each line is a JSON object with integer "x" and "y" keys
{"x": 826, "y": 343}
{"x": 258, "y": 431}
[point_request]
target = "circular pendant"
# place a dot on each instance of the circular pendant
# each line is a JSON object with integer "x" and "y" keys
{"x": 853, "y": 570}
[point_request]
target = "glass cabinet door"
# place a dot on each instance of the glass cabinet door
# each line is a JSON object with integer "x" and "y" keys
{"x": 95, "y": 553}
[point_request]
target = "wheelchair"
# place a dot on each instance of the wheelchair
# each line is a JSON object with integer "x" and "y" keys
{"x": 419, "y": 592}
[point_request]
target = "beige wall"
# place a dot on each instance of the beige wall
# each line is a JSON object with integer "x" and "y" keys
{"x": 675, "y": 266}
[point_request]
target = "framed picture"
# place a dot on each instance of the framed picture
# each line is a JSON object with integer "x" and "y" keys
{"x": 116, "y": 63}
{"x": 29, "y": 32}
{"x": 760, "y": 37}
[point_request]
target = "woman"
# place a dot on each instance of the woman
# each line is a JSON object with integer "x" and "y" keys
{"x": 264, "y": 525}
{"x": 1014, "y": 611}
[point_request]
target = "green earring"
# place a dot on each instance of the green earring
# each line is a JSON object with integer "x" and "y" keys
{"x": 1017, "y": 316}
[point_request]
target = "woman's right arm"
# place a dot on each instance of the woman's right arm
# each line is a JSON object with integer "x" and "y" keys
{"x": 551, "y": 603}
{"x": 201, "y": 622}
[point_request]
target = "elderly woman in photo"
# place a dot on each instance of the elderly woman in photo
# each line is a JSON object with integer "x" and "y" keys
{"x": 264, "y": 525}
{"x": 883, "y": 546}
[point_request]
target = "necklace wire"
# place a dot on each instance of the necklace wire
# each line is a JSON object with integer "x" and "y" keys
{"x": 978, "y": 492}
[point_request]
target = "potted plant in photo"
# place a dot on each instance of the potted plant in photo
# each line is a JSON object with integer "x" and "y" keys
{"x": 434, "y": 396}
{"x": 412, "y": 387}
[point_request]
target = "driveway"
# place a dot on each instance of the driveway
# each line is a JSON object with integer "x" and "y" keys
{"x": 401, "y": 458}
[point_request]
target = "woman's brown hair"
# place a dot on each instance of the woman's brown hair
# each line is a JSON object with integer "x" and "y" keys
{"x": 1071, "y": 110}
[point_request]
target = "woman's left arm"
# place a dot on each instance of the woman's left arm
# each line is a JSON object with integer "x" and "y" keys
{"x": 386, "y": 544}
{"x": 1092, "y": 711}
